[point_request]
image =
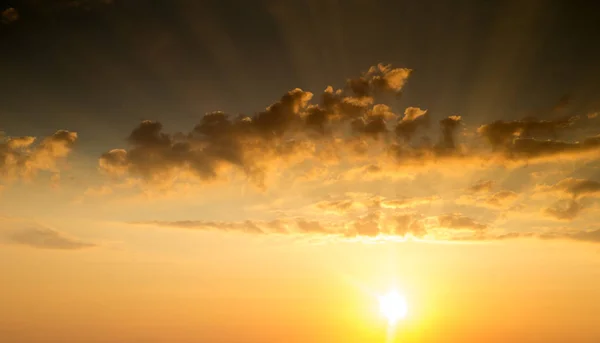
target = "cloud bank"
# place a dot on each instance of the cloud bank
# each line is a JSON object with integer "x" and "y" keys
{"x": 341, "y": 126}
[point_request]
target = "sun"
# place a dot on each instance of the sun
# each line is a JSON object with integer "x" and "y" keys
{"x": 393, "y": 306}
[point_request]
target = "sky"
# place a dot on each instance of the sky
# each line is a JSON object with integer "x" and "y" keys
{"x": 263, "y": 171}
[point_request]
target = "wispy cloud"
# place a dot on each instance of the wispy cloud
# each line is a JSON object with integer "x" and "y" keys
{"x": 38, "y": 236}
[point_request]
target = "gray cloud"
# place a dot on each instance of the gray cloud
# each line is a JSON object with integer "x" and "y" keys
{"x": 502, "y": 133}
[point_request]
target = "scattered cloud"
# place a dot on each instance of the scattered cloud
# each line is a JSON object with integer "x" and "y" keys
{"x": 564, "y": 210}
{"x": 498, "y": 200}
{"x": 353, "y": 202}
{"x": 482, "y": 186}
{"x": 376, "y": 224}
{"x": 572, "y": 187}
{"x": 20, "y": 157}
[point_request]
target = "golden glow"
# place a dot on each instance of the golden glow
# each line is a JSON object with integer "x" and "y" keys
{"x": 393, "y": 306}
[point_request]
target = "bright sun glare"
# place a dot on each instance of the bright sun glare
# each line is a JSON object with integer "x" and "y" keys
{"x": 393, "y": 306}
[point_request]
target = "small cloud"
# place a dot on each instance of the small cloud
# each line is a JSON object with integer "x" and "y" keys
{"x": 501, "y": 199}
{"x": 41, "y": 237}
{"x": 21, "y": 158}
{"x": 482, "y": 186}
{"x": 9, "y": 15}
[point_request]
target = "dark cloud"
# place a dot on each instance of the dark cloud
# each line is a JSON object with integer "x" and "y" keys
{"x": 41, "y": 237}
{"x": 501, "y": 134}
{"x": 344, "y": 125}
{"x": 530, "y": 149}
{"x": 449, "y": 126}
{"x": 380, "y": 78}
{"x": 414, "y": 118}
{"x": 251, "y": 142}
{"x": 217, "y": 141}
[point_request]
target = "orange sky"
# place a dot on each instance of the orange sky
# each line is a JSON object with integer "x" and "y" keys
{"x": 213, "y": 181}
